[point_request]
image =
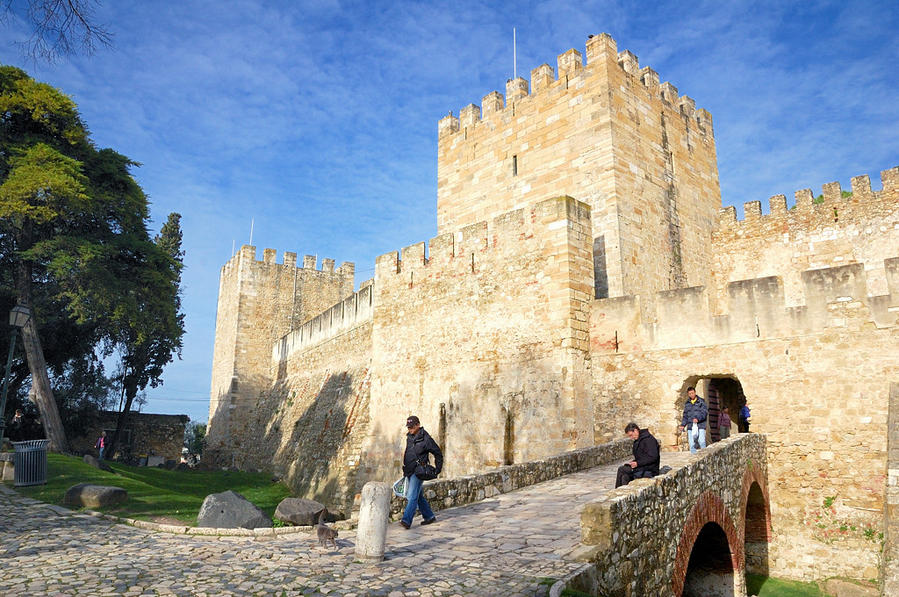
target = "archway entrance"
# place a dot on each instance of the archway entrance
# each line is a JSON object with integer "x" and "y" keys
{"x": 722, "y": 393}
{"x": 755, "y": 531}
{"x": 710, "y": 572}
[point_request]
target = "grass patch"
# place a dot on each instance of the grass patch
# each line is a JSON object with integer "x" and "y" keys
{"x": 155, "y": 493}
{"x": 765, "y": 586}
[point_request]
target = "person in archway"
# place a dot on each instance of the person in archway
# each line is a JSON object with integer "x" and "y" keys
{"x": 695, "y": 414}
{"x": 745, "y": 418}
{"x": 646, "y": 456}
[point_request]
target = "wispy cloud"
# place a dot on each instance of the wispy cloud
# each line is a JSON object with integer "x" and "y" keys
{"x": 319, "y": 119}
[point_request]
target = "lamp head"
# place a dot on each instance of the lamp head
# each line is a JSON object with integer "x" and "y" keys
{"x": 19, "y": 316}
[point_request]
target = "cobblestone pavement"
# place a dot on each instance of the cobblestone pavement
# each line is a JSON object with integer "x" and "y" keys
{"x": 508, "y": 545}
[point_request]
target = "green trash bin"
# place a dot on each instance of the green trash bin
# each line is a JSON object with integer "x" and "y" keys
{"x": 30, "y": 462}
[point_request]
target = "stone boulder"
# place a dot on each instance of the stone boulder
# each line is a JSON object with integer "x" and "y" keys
{"x": 299, "y": 511}
{"x": 97, "y": 463}
{"x": 94, "y": 496}
{"x": 230, "y": 510}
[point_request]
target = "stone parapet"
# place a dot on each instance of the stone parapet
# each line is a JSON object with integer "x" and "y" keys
{"x": 446, "y": 493}
{"x": 748, "y": 310}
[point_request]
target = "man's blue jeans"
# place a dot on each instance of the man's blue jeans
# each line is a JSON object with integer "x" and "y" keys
{"x": 701, "y": 438}
{"x": 416, "y": 501}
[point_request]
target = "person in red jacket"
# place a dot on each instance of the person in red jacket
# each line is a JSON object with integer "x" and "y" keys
{"x": 101, "y": 444}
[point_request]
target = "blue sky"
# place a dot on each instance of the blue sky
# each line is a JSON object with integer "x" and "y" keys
{"x": 318, "y": 120}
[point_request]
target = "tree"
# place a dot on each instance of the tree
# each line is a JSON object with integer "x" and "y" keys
{"x": 195, "y": 438}
{"x": 59, "y": 27}
{"x": 40, "y": 188}
{"x": 73, "y": 228}
{"x": 149, "y": 324}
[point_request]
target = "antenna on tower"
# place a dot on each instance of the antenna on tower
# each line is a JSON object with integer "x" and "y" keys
{"x": 252, "y": 222}
{"x": 514, "y": 55}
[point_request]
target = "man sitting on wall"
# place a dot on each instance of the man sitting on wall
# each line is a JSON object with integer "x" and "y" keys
{"x": 646, "y": 456}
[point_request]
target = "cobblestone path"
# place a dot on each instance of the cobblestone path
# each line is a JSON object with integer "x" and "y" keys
{"x": 508, "y": 545}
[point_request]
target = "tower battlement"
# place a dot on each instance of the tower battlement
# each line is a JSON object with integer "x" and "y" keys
{"x": 247, "y": 254}
{"x": 602, "y": 49}
{"x": 864, "y": 204}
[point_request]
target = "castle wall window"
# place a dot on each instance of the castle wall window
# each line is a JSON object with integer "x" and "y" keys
{"x": 514, "y": 165}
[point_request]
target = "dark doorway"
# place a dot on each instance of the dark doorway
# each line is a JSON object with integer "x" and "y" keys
{"x": 722, "y": 393}
{"x": 710, "y": 572}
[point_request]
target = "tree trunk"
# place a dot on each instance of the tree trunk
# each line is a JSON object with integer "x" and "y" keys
{"x": 130, "y": 393}
{"x": 40, "y": 381}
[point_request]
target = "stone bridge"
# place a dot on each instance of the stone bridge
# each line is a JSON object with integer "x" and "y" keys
{"x": 528, "y": 529}
{"x": 692, "y": 531}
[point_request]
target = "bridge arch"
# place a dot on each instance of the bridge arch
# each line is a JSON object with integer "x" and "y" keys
{"x": 722, "y": 392}
{"x": 710, "y": 554}
{"x": 756, "y": 511}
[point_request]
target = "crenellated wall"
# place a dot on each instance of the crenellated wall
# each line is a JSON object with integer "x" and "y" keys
{"x": 491, "y": 333}
{"x": 861, "y": 228}
{"x": 485, "y": 340}
{"x": 815, "y": 371}
{"x": 259, "y": 302}
{"x": 609, "y": 134}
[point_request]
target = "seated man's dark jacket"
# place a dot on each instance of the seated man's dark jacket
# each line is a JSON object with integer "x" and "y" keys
{"x": 646, "y": 453}
{"x": 418, "y": 447}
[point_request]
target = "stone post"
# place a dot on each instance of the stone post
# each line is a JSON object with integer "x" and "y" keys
{"x": 373, "y": 516}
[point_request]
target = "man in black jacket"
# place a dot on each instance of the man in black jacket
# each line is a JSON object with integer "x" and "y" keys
{"x": 646, "y": 456}
{"x": 417, "y": 468}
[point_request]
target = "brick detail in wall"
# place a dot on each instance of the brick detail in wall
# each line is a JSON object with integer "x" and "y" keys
{"x": 757, "y": 516}
{"x": 709, "y": 508}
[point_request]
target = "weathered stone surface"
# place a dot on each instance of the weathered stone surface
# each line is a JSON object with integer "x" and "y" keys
{"x": 94, "y": 496}
{"x": 493, "y": 328}
{"x": 299, "y": 511}
{"x": 843, "y": 588}
{"x": 96, "y": 463}
{"x": 230, "y": 510}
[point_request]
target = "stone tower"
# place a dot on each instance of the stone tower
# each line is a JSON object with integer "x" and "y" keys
{"x": 606, "y": 133}
{"x": 258, "y": 303}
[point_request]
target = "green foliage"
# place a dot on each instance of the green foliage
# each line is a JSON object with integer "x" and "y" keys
{"x": 765, "y": 586}
{"x": 820, "y": 198}
{"x": 829, "y": 501}
{"x": 156, "y": 492}
{"x": 74, "y": 229}
{"x": 195, "y": 437}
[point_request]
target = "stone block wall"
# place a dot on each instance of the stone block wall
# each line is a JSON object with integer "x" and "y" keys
{"x": 468, "y": 489}
{"x": 259, "y": 303}
{"x": 816, "y": 376}
{"x": 862, "y": 228}
{"x": 308, "y": 426}
{"x": 610, "y": 135}
{"x": 711, "y": 488}
{"x": 147, "y": 435}
{"x": 485, "y": 340}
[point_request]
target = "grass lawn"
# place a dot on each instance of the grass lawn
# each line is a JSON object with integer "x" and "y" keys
{"x": 155, "y": 493}
{"x": 765, "y": 586}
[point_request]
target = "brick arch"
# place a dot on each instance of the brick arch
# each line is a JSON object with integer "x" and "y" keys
{"x": 753, "y": 474}
{"x": 708, "y": 508}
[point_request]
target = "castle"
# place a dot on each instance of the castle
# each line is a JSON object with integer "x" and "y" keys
{"x": 584, "y": 274}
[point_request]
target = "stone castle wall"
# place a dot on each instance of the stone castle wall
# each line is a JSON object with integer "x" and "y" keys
{"x": 490, "y": 333}
{"x": 485, "y": 340}
{"x": 815, "y": 369}
{"x": 260, "y": 301}
{"x": 862, "y": 228}
{"x": 146, "y": 434}
{"x": 610, "y": 135}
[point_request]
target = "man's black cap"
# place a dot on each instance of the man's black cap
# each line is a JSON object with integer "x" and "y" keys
{"x": 412, "y": 422}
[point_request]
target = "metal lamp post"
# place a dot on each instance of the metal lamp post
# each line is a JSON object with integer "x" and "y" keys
{"x": 18, "y": 318}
